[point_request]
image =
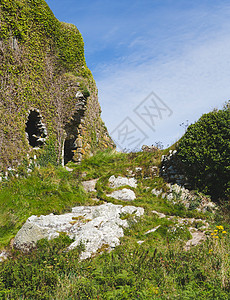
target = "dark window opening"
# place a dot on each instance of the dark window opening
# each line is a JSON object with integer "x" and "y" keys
{"x": 36, "y": 131}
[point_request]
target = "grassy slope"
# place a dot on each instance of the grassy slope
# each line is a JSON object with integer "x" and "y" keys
{"x": 159, "y": 268}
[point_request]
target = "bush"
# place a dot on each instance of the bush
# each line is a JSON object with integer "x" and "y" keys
{"x": 204, "y": 151}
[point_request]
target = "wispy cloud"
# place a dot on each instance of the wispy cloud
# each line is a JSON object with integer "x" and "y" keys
{"x": 191, "y": 84}
{"x": 178, "y": 49}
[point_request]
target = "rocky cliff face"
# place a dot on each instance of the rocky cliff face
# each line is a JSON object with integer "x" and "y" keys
{"x": 48, "y": 94}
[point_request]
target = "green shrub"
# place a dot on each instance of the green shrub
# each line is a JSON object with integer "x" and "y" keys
{"x": 204, "y": 151}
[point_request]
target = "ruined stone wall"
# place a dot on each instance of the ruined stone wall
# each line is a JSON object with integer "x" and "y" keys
{"x": 43, "y": 70}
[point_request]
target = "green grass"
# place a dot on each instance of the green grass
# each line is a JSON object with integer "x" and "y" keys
{"x": 159, "y": 268}
{"x": 46, "y": 190}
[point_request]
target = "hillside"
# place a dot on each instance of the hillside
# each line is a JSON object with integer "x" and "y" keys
{"x": 47, "y": 94}
{"x": 79, "y": 220}
{"x": 177, "y": 247}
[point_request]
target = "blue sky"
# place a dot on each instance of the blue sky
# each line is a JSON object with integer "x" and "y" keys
{"x": 179, "y": 50}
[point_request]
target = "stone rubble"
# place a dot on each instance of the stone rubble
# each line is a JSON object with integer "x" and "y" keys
{"x": 152, "y": 148}
{"x": 171, "y": 169}
{"x": 198, "y": 235}
{"x": 191, "y": 200}
{"x": 95, "y": 226}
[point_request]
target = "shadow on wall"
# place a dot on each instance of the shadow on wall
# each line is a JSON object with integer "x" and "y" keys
{"x": 72, "y": 133}
{"x": 36, "y": 133}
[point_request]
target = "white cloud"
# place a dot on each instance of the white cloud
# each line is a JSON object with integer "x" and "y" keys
{"x": 191, "y": 84}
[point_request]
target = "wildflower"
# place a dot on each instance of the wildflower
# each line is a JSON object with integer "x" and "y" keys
{"x": 220, "y": 227}
{"x": 216, "y": 236}
{"x": 210, "y": 251}
{"x": 215, "y": 230}
{"x": 224, "y": 231}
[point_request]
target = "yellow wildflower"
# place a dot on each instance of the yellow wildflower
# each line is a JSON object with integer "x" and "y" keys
{"x": 224, "y": 231}
{"x": 220, "y": 227}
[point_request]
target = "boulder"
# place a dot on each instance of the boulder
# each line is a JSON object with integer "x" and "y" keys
{"x": 124, "y": 195}
{"x": 122, "y": 181}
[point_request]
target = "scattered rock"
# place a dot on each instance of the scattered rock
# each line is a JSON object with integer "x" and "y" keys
{"x": 95, "y": 226}
{"x": 68, "y": 169}
{"x": 152, "y": 230}
{"x": 197, "y": 238}
{"x": 152, "y": 148}
{"x": 3, "y": 256}
{"x": 89, "y": 186}
{"x": 198, "y": 235}
{"x": 124, "y": 195}
{"x": 121, "y": 181}
{"x": 138, "y": 169}
{"x": 140, "y": 242}
{"x": 156, "y": 192}
{"x": 160, "y": 215}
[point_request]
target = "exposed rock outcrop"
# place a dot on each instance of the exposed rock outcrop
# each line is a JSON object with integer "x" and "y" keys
{"x": 94, "y": 226}
{"x": 190, "y": 199}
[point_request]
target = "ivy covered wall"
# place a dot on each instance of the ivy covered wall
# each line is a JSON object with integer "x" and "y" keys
{"x": 43, "y": 68}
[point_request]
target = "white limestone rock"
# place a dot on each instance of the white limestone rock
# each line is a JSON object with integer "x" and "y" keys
{"x": 95, "y": 226}
{"x": 156, "y": 192}
{"x": 122, "y": 181}
{"x": 3, "y": 256}
{"x": 90, "y": 185}
{"x": 124, "y": 195}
